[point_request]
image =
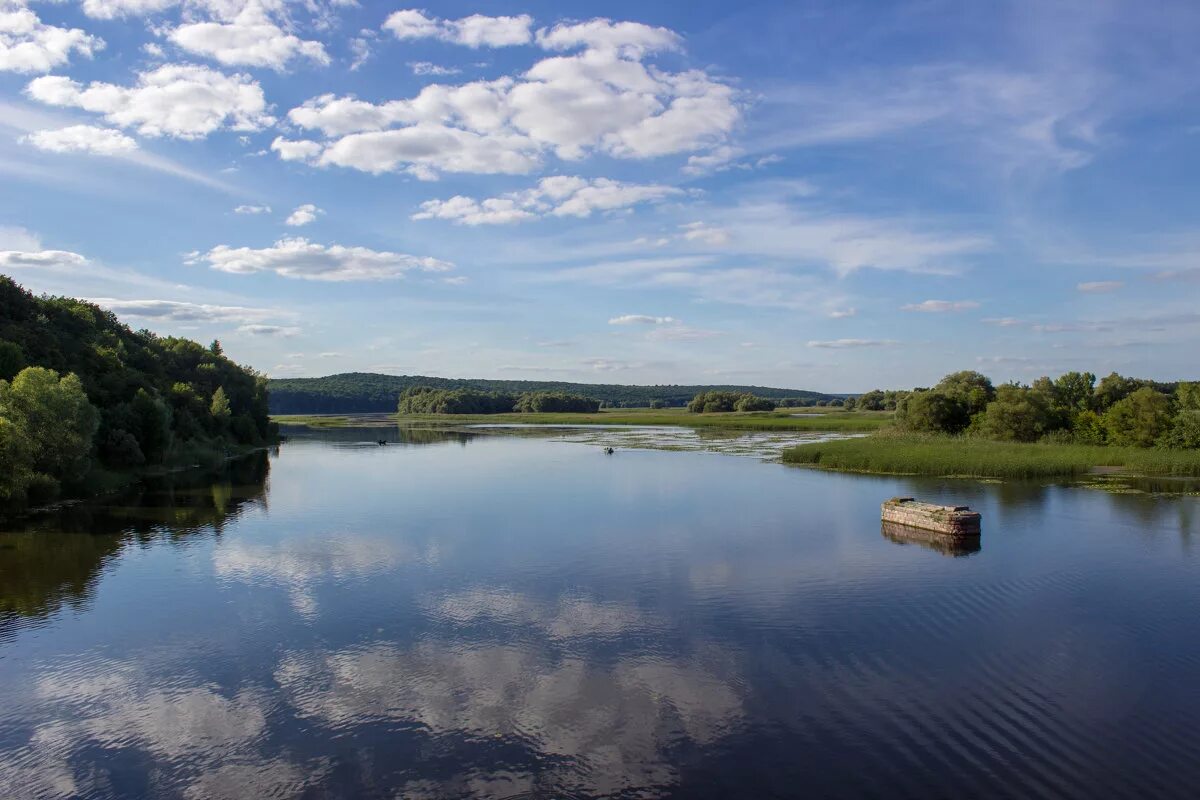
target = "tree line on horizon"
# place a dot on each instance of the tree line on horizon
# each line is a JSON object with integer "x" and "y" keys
{"x": 428, "y": 400}
{"x": 359, "y": 392}
{"x": 81, "y": 392}
{"x": 1072, "y": 408}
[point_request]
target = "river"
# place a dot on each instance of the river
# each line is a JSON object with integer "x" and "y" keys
{"x": 489, "y": 616}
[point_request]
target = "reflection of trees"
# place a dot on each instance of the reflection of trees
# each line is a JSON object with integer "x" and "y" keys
{"x": 53, "y": 559}
{"x": 370, "y": 435}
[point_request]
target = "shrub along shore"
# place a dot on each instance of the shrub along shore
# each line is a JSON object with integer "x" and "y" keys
{"x": 965, "y": 426}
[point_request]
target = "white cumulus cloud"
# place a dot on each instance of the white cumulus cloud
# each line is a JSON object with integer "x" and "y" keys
{"x": 245, "y": 209}
{"x": 300, "y": 258}
{"x": 641, "y": 319}
{"x": 29, "y": 45}
{"x": 82, "y": 139}
{"x": 557, "y": 196}
{"x": 429, "y": 68}
{"x": 295, "y": 150}
{"x": 303, "y": 215}
{"x": 468, "y": 211}
{"x": 632, "y": 39}
{"x": 474, "y": 31}
{"x": 603, "y": 99}
{"x": 250, "y": 39}
{"x": 179, "y": 100}
{"x": 114, "y": 9}
{"x": 40, "y": 259}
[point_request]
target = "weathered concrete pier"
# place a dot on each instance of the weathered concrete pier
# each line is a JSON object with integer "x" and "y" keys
{"x": 956, "y": 522}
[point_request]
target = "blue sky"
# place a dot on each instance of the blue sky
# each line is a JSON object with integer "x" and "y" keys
{"x": 825, "y": 195}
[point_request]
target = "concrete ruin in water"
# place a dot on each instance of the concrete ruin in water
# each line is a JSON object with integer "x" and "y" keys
{"x": 952, "y": 522}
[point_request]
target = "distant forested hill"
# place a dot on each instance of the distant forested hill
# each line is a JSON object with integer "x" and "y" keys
{"x": 361, "y": 392}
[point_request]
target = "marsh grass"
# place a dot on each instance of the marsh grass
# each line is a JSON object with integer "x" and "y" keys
{"x": 832, "y": 422}
{"x": 949, "y": 456}
{"x": 332, "y": 420}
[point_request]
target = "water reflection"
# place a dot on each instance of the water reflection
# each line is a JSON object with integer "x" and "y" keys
{"x": 388, "y": 433}
{"x": 953, "y": 546}
{"x": 525, "y": 618}
{"x": 53, "y": 559}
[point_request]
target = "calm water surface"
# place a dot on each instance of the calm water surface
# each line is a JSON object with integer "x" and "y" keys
{"x": 501, "y": 616}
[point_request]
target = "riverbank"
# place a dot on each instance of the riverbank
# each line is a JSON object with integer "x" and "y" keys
{"x": 780, "y": 420}
{"x": 950, "y": 456}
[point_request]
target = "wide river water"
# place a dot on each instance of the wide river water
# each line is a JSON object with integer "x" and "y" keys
{"x": 499, "y": 616}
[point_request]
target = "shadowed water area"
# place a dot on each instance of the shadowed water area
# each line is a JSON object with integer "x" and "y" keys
{"x": 462, "y": 615}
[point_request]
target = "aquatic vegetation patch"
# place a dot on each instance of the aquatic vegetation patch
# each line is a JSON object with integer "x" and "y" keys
{"x": 961, "y": 456}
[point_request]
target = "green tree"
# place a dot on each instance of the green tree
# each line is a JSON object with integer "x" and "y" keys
{"x": 1138, "y": 419}
{"x": 749, "y": 402}
{"x": 11, "y": 360}
{"x": 932, "y": 411}
{"x": 1087, "y": 427}
{"x": 219, "y": 408}
{"x": 1184, "y": 432}
{"x": 151, "y": 425}
{"x": 215, "y": 348}
{"x": 1074, "y": 390}
{"x": 1111, "y": 389}
{"x": 1019, "y": 414}
{"x": 1187, "y": 395}
{"x": 872, "y": 401}
{"x": 972, "y": 389}
{"x": 54, "y": 415}
{"x": 16, "y": 463}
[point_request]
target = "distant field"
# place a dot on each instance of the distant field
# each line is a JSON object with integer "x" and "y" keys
{"x": 833, "y": 421}
{"x": 978, "y": 458}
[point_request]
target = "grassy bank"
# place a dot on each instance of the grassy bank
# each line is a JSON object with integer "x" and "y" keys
{"x": 782, "y": 420}
{"x": 956, "y": 456}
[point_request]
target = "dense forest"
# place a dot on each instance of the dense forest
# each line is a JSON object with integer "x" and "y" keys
{"x": 82, "y": 392}
{"x": 1074, "y": 408}
{"x": 363, "y": 392}
{"x": 428, "y": 400}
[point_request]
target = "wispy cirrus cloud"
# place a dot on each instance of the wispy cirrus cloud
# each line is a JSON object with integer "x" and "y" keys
{"x": 1099, "y": 287}
{"x": 940, "y": 306}
{"x": 180, "y": 311}
{"x": 849, "y": 344}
